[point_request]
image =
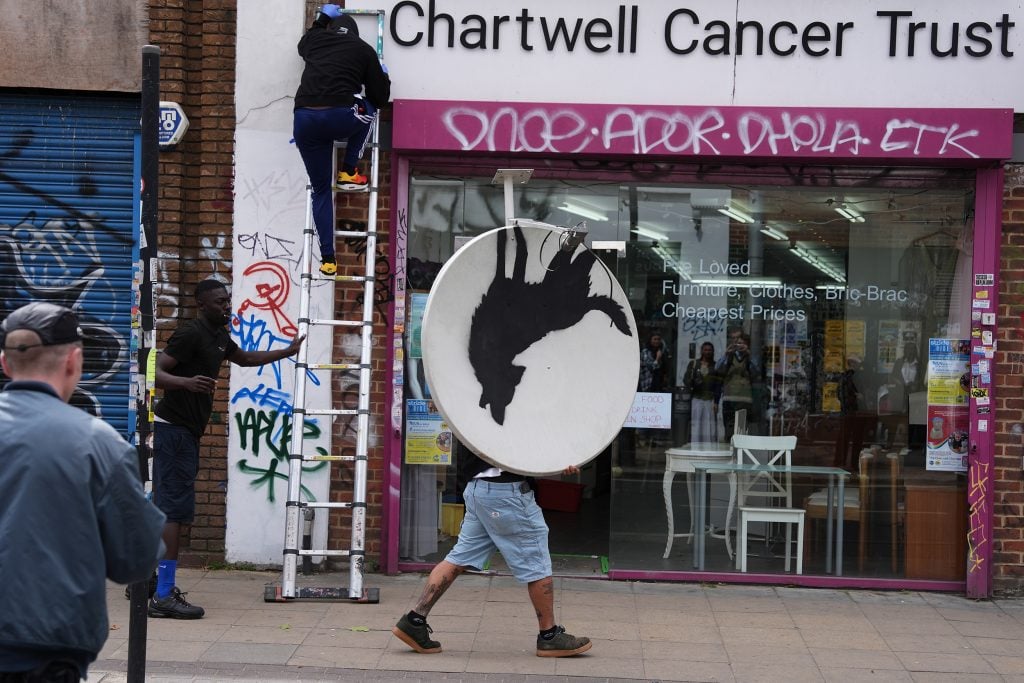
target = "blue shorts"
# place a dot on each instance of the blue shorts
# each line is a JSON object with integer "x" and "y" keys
{"x": 175, "y": 464}
{"x": 499, "y": 516}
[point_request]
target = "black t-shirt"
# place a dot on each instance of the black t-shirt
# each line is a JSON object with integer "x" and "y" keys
{"x": 200, "y": 349}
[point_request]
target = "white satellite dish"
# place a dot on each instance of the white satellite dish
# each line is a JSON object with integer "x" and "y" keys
{"x": 533, "y": 357}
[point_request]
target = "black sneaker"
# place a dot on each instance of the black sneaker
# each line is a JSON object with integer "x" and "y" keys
{"x": 562, "y": 644}
{"x": 151, "y": 586}
{"x": 174, "y": 606}
{"x": 416, "y": 637}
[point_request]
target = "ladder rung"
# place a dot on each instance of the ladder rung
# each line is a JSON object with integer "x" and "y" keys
{"x": 341, "y": 278}
{"x": 340, "y": 323}
{"x": 333, "y": 411}
{"x": 328, "y": 505}
{"x": 355, "y": 233}
{"x": 324, "y": 553}
{"x": 335, "y": 366}
{"x": 329, "y": 458}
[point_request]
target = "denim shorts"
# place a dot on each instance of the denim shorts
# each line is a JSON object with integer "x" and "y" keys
{"x": 175, "y": 464}
{"x": 499, "y": 516}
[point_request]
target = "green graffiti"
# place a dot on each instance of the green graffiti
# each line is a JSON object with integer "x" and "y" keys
{"x": 271, "y": 431}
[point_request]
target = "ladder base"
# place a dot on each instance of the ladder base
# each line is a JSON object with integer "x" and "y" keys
{"x": 272, "y": 593}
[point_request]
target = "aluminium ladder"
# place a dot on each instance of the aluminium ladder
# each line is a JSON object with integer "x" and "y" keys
{"x": 298, "y": 511}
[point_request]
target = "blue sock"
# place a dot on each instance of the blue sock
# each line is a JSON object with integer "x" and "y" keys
{"x": 165, "y": 577}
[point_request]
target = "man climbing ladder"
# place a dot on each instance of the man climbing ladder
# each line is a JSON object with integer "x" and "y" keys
{"x": 330, "y": 106}
{"x": 300, "y": 508}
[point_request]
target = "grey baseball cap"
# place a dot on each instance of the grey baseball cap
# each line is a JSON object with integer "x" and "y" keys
{"x": 54, "y": 324}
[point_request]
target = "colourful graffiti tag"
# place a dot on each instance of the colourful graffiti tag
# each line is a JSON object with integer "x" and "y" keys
{"x": 976, "y": 496}
{"x": 272, "y": 294}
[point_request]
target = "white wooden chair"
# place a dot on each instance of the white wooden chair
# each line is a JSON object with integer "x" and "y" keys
{"x": 769, "y": 486}
{"x": 739, "y": 422}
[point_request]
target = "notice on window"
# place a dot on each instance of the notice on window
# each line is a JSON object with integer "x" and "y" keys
{"x": 650, "y": 411}
{"x": 948, "y": 423}
{"x": 428, "y": 438}
{"x": 417, "y": 304}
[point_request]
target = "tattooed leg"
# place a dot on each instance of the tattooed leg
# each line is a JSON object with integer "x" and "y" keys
{"x": 542, "y": 595}
{"x": 441, "y": 577}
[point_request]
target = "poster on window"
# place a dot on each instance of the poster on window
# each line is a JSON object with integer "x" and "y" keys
{"x": 651, "y": 410}
{"x": 835, "y": 345}
{"x": 417, "y": 304}
{"x": 948, "y": 422}
{"x": 888, "y": 344}
{"x": 428, "y": 438}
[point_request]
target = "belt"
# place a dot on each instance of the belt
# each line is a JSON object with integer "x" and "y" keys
{"x": 504, "y": 478}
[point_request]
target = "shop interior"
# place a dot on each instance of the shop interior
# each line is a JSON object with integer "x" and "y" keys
{"x": 836, "y": 281}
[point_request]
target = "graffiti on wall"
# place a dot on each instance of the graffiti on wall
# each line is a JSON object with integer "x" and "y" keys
{"x": 64, "y": 246}
{"x": 712, "y": 131}
{"x": 262, "y": 408}
{"x": 266, "y": 296}
{"x": 384, "y": 278}
{"x": 977, "y": 494}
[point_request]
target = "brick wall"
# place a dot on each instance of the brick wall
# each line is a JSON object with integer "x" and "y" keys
{"x": 1008, "y": 481}
{"x": 197, "y": 69}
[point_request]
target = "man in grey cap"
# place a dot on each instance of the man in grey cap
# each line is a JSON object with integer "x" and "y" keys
{"x": 74, "y": 512}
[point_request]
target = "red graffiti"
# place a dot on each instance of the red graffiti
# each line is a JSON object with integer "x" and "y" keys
{"x": 271, "y": 294}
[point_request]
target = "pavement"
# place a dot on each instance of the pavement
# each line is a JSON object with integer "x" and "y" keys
{"x": 642, "y": 631}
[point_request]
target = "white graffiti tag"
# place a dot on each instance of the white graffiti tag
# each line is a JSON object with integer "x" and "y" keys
{"x": 632, "y": 130}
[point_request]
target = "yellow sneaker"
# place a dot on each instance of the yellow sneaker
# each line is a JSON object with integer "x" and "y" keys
{"x": 329, "y": 267}
{"x": 352, "y": 182}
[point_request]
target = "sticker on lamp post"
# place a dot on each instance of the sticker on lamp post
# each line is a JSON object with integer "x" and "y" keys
{"x": 173, "y": 124}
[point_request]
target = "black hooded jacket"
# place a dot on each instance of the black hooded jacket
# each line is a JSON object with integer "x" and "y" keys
{"x": 338, "y": 65}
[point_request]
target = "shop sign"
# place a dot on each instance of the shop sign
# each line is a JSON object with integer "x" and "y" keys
{"x": 825, "y": 53}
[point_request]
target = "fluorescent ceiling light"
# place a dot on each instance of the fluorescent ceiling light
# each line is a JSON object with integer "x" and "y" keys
{"x": 648, "y": 231}
{"x": 820, "y": 265}
{"x": 737, "y": 282}
{"x": 737, "y": 215}
{"x": 772, "y": 232}
{"x": 583, "y": 211}
{"x": 670, "y": 260}
{"x": 849, "y": 213}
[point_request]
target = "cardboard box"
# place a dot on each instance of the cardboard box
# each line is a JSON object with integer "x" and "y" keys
{"x": 451, "y": 517}
{"x": 562, "y": 496}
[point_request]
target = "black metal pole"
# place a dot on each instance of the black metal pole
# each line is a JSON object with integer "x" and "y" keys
{"x": 150, "y": 151}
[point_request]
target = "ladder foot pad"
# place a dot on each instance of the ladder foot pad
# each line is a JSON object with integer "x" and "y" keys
{"x": 370, "y": 596}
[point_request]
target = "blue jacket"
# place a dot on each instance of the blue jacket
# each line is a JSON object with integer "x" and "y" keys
{"x": 73, "y": 514}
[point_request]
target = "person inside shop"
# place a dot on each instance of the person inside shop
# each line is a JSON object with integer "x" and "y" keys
{"x": 737, "y": 373}
{"x": 704, "y": 385}
{"x": 853, "y": 421}
{"x": 654, "y": 363}
{"x": 330, "y": 106}
{"x": 906, "y": 378}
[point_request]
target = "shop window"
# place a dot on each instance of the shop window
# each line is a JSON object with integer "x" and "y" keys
{"x": 812, "y": 297}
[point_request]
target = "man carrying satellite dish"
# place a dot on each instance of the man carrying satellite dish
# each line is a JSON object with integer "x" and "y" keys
{"x": 501, "y": 514}
{"x": 550, "y": 328}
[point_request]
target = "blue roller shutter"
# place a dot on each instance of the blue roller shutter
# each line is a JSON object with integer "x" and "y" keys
{"x": 67, "y": 233}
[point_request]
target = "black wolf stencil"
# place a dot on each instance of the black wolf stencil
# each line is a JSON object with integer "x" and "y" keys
{"x": 514, "y": 314}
